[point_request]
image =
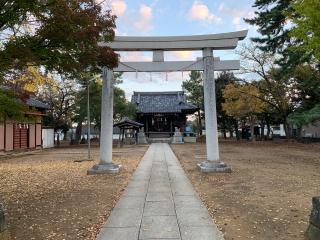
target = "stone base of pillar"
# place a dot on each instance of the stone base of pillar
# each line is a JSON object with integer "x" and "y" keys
{"x": 177, "y": 138}
{"x": 142, "y": 138}
{"x": 104, "y": 169}
{"x": 219, "y": 167}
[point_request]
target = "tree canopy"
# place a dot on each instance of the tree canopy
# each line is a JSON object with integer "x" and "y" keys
{"x": 61, "y": 35}
{"x": 273, "y": 21}
{"x": 290, "y": 39}
{"x": 242, "y": 101}
{"x": 10, "y": 107}
{"x": 122, "y": 107}
{"x": 306, "y": 18}
{"x": 194, "y": 89}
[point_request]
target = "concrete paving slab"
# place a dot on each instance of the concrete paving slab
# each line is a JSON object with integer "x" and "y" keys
{"x": 164, "y": 208}
{"x": 130, "y": 202}
{"x": 119, "y": 233}
{"x": 159, "y": 196}
{"x": 195, "y": 217}
{"x": 159, "y": 227}
{"x": 159, "y": 188}
{"x": 159, "y": 203}
{"x": 123, "y": 217}
{"x": 139, "y": 184}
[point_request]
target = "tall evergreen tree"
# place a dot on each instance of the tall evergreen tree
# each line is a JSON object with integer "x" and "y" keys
{"x": 271, "y": 20}
{"x": 194, "y": 91}
{"x": 306, "y": 18}
{"x": 274, "y": 25}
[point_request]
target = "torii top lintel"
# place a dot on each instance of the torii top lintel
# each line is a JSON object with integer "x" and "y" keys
{"x": 221, "y": 41}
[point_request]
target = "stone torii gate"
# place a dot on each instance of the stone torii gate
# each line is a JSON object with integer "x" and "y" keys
{"x": 158, "y": 45}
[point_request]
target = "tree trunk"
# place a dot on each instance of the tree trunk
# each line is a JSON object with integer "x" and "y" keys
{"x": 252, "y": 132}
{"x": 58, "y": 140}
{"x": 287, "y": 129}
{"x": 199, "y": 123}
{"x": 224, "y": 133}
{"x": 78, "y": 132}
{"x": 299, "y": 133}
{"x": 236, "y": 129}
{"x": 262, "y": 131}
{"x": 65, "y": 135}
{"x": 268, "y": 131}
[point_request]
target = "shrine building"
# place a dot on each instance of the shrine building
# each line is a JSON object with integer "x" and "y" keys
{"x": 162, "y": 112}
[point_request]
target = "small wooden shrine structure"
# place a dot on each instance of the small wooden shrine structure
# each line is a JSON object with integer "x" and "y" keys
{"x": 128, "y": 127}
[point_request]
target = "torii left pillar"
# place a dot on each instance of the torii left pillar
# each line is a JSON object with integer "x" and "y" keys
{"x": 105, "y": 165}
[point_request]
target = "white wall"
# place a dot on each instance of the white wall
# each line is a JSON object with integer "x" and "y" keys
{"x": 48, "y": 138}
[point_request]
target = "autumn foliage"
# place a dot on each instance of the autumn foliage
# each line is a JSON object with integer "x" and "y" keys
{"x": 242, "y": 101}
{"x": 60, "y": 35}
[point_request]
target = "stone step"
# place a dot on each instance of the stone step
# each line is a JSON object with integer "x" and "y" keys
{"x": 159, "y": 140}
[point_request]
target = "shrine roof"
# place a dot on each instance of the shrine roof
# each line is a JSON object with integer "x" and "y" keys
{"x": 128, "y": 123}
{"x": 32, "y": 102}
{"x": 162, "y": 102}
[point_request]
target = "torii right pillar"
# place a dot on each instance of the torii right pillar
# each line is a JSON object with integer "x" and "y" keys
{"x": 213, "y": 163}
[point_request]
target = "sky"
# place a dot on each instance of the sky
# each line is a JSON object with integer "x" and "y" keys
{"x": 175, "y": 18}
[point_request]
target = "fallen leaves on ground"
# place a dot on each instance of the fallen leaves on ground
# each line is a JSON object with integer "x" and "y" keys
{"x": 268, "y": 194}
{"x": 49, "y": 196}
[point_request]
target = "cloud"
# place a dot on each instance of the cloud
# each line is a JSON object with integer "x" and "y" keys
{"x": 237, "y": 15}
{"x": 134, "y": 57}
{"x": 118, "y": 7}
{"x": 184, "y": 54}
{"x": 201, "y": 12}
{"x": 181, "y": 56}
{"x": 144, "y": 22}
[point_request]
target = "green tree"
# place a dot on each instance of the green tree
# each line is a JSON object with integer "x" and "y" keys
{"x": 122, "y": 107}
{"x": 289, "y": 30}
{"x": 10, "y": 108}
{"x": 307, "y": 83}
{"x": 271, "y": 20}
{"x": 305, "y": 118}
{"x": 306, "y": 18}
{"x": 273, "y": 23}
{"x": 61, "y": 35}
{"x": 194, "y": 91}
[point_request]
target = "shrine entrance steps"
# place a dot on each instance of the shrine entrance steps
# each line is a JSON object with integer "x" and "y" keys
{"x": 159, "y": 203}
{"x": 159, "y": 140}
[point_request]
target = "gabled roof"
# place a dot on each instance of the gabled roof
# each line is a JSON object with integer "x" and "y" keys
{"x": 162, "y": 102}
{"x": 32, "y": 102}
{"x": 128, "y": 123}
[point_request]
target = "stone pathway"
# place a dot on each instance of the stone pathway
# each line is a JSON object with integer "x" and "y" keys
{"x": 159, "y": 203}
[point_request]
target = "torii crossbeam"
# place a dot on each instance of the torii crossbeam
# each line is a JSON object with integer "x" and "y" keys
{"x": 158, "y": 45}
